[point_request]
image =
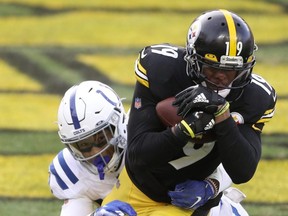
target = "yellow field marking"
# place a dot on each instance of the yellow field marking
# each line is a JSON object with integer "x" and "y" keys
{"x": 27, "y": 176}
{"x": 278, "y": 124}
{"x": 180, "y": 4}
{"x": 269, "y": 184}
{"x": 11, "y": 79}
{"x": 29, "y": 111}
{"x": 118, "y": 68}
{"x": 267, "y": 72}
{"x": 39, "y": 112}
{"x": 131, "y": 32}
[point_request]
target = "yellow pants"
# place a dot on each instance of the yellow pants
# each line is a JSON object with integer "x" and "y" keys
{"x": 142, "y": 204}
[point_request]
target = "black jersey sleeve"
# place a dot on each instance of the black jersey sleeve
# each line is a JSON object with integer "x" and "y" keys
{"x": 148, "y": 139}
{"x": 160, "y": 73}
{"x": 238, "y": 139}
{"x": 162, "y": 69}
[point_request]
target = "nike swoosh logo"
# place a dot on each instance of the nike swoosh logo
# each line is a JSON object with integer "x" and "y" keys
{"x": 197, "y": 201}
{"x": 143, "y": 54}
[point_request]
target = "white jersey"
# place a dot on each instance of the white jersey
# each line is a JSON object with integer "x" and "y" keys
{"x": 70, "y": 180}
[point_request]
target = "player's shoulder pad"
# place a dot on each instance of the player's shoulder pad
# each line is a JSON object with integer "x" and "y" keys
{"x": 260, "y": 88}
{"x": 65, "y": 169}
{"x": 260, "y": 99}
{"x": 158, "y": 60}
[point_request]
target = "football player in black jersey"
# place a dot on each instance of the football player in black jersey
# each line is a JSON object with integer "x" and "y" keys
{"x": 214, "y": 87}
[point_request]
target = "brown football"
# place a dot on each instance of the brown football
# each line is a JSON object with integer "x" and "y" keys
{"x": 168, "y": 115}
{"x": 167, "y": 112}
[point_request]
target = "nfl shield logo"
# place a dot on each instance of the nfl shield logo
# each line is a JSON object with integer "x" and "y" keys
{"x": 137, "y": 103}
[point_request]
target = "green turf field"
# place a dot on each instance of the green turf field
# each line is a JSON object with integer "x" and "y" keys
{"x": 47, "y": 46}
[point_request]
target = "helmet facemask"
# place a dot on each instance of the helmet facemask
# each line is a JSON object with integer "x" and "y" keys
{"x": 100, "y": 161}
{"x": 195, "y": 63}
{"x": 107, "y": 139}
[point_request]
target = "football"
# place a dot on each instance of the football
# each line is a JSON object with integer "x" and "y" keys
{"x": 168, "y": 115}
{"x": 167, "y": 112}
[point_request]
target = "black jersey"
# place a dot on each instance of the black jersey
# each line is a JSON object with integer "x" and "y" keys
{"x": 157, "y": 160}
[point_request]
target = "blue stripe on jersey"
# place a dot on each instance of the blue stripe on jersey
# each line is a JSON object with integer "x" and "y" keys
{"x": 106, "y": 98}
{"x": 60, "y": 182}
{"x": 235, "y": 211}
{"x": 73, "y": 111}
{"x": 67, "y": 169}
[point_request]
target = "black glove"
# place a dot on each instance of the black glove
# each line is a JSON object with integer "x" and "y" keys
{"x": 200, "y": 98}
{"x": 194, "y": 124}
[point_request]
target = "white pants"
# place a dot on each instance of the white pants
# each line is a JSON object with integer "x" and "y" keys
{"x": 229, "y": 204}
{"x": 77, "y": 207}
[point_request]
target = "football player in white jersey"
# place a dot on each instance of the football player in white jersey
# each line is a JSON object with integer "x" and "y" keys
{"x": 93, "y": 126}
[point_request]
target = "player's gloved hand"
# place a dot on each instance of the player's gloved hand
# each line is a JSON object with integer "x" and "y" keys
{"x": 192, "y": 194}
{"x": 200, "y": 98}
{"x": 194, "y": 124}
{"x": 115, "y": 208}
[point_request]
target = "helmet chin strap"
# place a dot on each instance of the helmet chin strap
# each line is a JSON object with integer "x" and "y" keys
{"x": 100, "y": 162}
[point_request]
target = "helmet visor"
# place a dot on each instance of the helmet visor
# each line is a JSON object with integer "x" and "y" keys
{"x": 92, "y": 146}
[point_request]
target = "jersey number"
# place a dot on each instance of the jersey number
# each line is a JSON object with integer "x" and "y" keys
{"x": 165, "y": 50}
{"x": 262, "y": 83}
{"x": 239, "y": 47}
{"x": 192, "y": 155}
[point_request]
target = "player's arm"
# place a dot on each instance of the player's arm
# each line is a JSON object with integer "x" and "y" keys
{"x": 239, "y": 147}
{"x": 69, "y": 188}
{"x": 77, "y": 206}
{"x": 221, "y": 179}
{"x": 240, "y": 143}
{"x": 148, "y": 137}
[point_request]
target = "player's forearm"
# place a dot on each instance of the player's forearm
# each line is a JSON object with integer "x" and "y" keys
{"x": 222, "y": 117}
{"x": 222, "y": 177}
{"x": 155, "y": 147}
{"x": 239, "y": 154}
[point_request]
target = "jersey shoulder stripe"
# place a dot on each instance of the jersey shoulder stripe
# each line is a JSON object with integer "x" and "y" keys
{"x": 267, "y": 116}
{"x": 257, "y": 104}
{"x": 66, "y": 170}
{"x": 59, "y": 180}
{"x": 141, "y": 73}
{"x": 270, "y": 97}
{"x": 159, "y": 64}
